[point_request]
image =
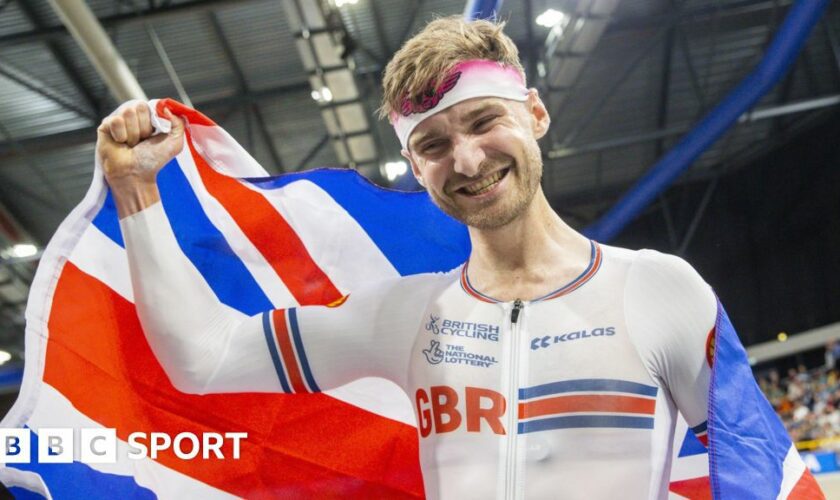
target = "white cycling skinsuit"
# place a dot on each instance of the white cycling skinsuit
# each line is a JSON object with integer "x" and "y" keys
{"x": 573, "y": 395}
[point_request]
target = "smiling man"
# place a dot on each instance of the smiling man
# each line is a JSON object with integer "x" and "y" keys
{"x": 546, "y": 366}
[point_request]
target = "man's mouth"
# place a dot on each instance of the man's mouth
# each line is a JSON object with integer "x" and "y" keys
{"x": 484, "y": 185}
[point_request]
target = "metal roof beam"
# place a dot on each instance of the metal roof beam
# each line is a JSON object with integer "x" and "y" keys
{"x": 632, "y": 64}
{"x": 314, "y": 151}
{"x": 63, "y": 60}
{"x": 531, "y": 46}
{"x": 693, "y": 77}
{"x": 88, "y": 134}
{"x": 412, "y": 20}
{"x": 662, "y": 122}
{"x": 379, "y": 25}
{"x": 88, "y": 32}
{"x": 688, "y": 15}
{"x": 141, "y": 15}
{"x": 664, "y": 88}
{"x": 833, "y": 43}
{"x": 753, "y": 116}
{"x": 242, "y": 83}
{"x": 35, "y": 85}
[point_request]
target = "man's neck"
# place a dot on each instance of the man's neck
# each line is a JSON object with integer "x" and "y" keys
{"x": 532, "y": 256}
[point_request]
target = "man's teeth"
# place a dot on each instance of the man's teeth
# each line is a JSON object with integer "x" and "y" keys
{"x": 486, "y": 184}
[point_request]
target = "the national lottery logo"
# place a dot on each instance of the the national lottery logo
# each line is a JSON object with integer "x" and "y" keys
{"x": 434, "y": 354}
{"x": 456, "y": 355}
{"x": 466, "y": 329}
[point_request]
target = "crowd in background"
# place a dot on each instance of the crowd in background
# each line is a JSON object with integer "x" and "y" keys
{"x": 807, "y": 400}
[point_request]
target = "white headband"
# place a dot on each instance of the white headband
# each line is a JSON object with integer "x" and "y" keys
{"x": 469, "y": 79}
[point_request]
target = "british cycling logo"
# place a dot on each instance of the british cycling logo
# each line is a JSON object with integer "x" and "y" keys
{"x": 549, "y": 340}
{"x": 466, "y": 329}
{"x": 456, "y": 355}
{"x": 432, "y": 324}
{"x": 434, "y": 354}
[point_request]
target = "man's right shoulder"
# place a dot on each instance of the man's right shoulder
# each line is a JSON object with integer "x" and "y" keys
{"x": 428, "y": 281}
{"x": 413, "y": 287}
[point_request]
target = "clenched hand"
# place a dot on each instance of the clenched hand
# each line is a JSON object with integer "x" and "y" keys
{"x": 131, "y": 156}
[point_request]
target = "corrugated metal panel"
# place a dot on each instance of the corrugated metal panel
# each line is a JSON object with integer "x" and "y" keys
{"x": 27, "y": 114}
{"x": 101, "y": 8}
{"x": 722, "y": 50}
{"x": 41, "y": 66}
{"x": 295, "y": 138}
{"x": 12, "y": 19}
{"x": 264, "y": 46}
{"x": 84, "y": 70}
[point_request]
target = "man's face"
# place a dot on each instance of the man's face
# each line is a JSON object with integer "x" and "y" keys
{"x": 479, "y": 159}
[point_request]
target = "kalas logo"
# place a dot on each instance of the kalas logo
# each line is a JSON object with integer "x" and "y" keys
{"x": 548, "y": 340}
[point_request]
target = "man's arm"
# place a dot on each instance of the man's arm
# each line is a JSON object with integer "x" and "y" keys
{"x": 671, "y": 314}
{"x": 205, "y": 346}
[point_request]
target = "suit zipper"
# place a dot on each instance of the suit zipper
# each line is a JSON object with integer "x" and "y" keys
{"x": 513, "y": 398}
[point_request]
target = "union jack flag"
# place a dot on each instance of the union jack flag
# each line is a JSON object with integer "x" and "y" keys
{"x": 263, "y": 243}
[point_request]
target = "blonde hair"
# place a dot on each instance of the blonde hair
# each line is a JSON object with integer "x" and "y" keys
{"x": 426, "y": 59}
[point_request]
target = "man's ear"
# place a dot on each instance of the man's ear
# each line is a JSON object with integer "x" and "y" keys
{"x": 539, "y": 113}
{"x": 414, "y": 168}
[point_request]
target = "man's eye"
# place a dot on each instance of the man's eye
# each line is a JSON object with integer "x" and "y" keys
{"x": 483, "y": 122}
{"x": 431, "y": 147}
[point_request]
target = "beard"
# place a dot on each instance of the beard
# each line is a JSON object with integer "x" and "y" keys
{"x": 523, "y": 181}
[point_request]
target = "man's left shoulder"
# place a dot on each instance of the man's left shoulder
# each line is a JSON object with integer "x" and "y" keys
{"x": 665, "y": 280}
{"x": 667, "y": 300}
{"x": 648, "y": 260}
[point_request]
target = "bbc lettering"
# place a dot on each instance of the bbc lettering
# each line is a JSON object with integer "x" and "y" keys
{"x": 58, "y": 445}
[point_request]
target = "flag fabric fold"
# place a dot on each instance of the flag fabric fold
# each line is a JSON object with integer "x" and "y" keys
{"x": 750, "y": 453}
{"x": 260, "y": 243}
{"x": 265, "y": 242}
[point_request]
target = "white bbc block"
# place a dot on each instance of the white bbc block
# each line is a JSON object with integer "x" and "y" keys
{"x": 55, "y": 446}
{"x": 14, "y": 446}
{"x": 98, "y": 446}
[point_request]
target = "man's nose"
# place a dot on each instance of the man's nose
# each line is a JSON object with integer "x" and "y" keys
{"x": 468, "y": 155}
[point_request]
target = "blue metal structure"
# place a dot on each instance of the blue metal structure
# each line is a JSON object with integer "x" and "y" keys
{"x": 10, "y": 378}
{"x": 482, "y": 9}
{"x": 780, "y": 55}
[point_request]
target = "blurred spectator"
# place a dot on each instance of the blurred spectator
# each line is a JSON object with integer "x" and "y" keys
{"x": 795, "y": 390}
{"x": 800, "y": 412}
{"x": 802, "y": 374}
{"x": 808, "y": 402}
{"x": 832, "y": 354}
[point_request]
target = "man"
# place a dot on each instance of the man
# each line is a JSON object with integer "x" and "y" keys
{"x": 547, "y": 366}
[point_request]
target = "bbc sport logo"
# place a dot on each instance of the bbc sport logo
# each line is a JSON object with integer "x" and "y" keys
{"x": 100, "y": 445}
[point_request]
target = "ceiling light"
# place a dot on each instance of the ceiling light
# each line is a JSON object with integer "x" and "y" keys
{"x": 342, "y": 3}
{"x": 551, "y": 18}
{"x": 23, "y": 250}
{"x": 4, "y": 356}
{"x": 394, "y": 169}
{"x": 323, "y": 95}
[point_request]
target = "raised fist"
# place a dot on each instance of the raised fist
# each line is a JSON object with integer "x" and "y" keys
{"x": 130, "y": 154}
